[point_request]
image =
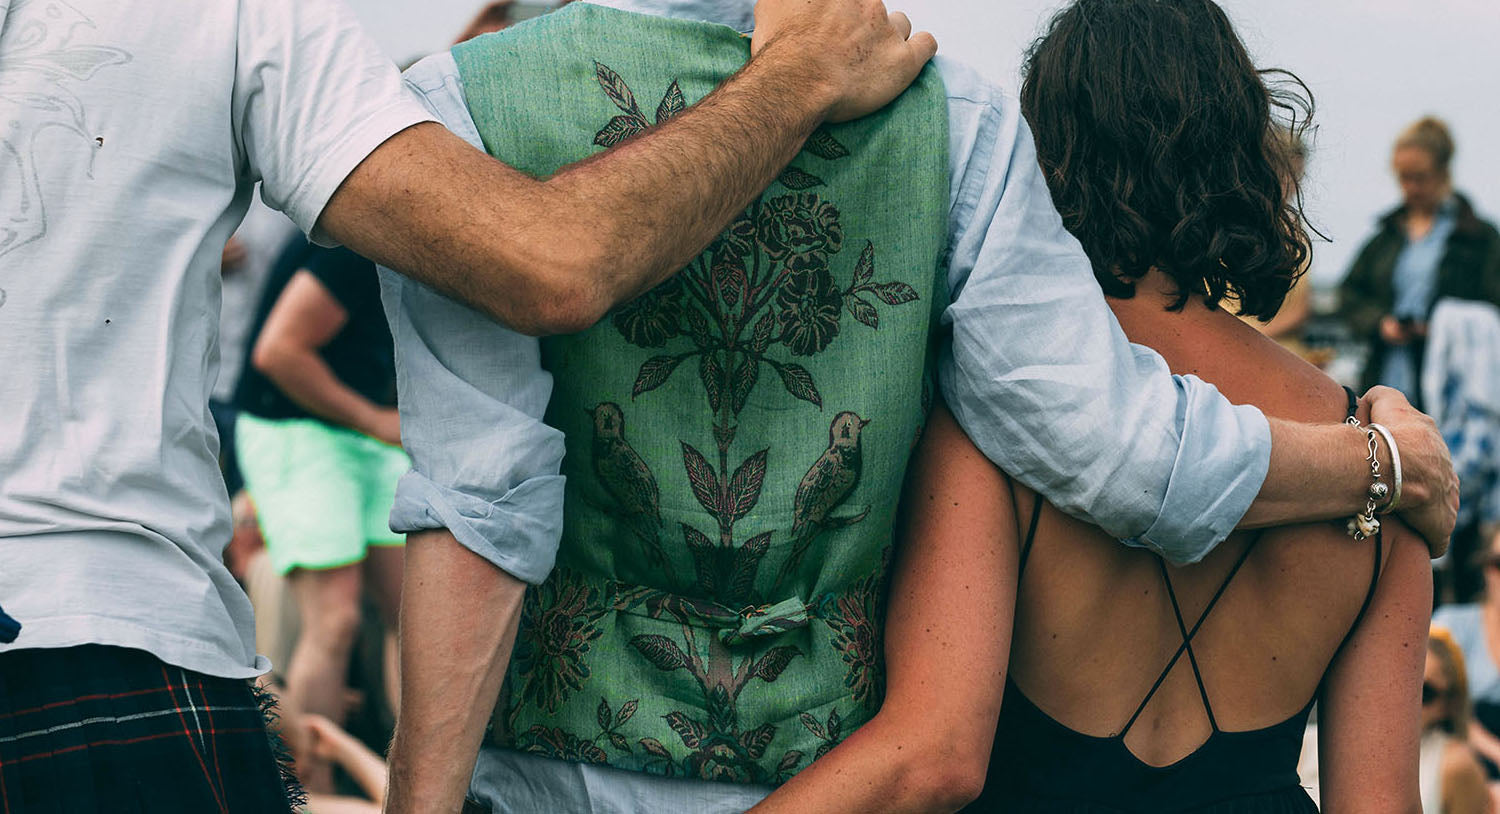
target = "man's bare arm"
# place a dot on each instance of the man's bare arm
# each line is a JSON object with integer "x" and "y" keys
{"x": 458, "y": 624}
{"x": 1320, "y": 472}
{"x": 554, "y": 255}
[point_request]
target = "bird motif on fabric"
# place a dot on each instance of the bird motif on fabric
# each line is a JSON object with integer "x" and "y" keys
{"x": 825, "y": 487}
{"x": 627, "y": 478}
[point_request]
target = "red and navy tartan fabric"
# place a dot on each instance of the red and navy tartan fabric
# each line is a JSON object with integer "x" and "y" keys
{"x": 106, "y": 729}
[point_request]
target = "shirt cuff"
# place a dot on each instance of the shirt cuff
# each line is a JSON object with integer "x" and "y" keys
{"x": 519, "y": 533}
{"x": 1229, "y": 450}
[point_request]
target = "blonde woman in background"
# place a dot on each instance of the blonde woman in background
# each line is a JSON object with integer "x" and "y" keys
{"x": 1451, "y": 780}
{"x": 1430, "y": 247}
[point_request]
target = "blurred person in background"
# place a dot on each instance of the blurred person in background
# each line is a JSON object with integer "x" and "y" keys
{"x": 1450, "y": 777}
{"x": 1475, "y": 628}
{"x": 501, "y": 15}
{"x": 319, "y": 442}
{"x": 248, "y": 258}
{"x": 1461, "y": 386}
{"x": 330, "y": 743}
{"x": 1432, "y": 246}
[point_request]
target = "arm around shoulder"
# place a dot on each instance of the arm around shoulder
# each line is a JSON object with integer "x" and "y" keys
{"x": 554, "y": 255}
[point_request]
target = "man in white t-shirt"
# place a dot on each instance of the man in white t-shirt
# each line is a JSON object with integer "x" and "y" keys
{"x": 131, "y": 135}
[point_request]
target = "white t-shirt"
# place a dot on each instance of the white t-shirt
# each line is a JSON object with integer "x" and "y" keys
{"x": 131, "y": 135}
{"x": 263, "y": 234}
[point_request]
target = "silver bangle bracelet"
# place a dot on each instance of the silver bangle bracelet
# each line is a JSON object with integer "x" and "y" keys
{"x": 1390, "y": 441}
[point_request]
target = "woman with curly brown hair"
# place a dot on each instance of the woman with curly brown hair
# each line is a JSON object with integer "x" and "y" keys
{"x": 1133, "y": 685}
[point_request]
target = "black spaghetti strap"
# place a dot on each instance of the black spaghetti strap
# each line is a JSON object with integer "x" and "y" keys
{"x": 1036, "y": 516}
{"x": 1188, "y": 636}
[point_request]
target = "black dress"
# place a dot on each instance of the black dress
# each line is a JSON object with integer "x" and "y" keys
{"x": 1039, "y": 765}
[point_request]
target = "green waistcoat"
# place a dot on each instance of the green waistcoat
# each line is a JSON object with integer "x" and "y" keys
{"x": 737, "y": 437}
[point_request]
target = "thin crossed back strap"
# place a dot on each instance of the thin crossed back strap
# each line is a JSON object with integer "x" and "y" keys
{"x": 1187, "y": 639}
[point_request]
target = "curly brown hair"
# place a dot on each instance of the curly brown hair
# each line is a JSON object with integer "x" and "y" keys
{"x": 1157, "y": 136}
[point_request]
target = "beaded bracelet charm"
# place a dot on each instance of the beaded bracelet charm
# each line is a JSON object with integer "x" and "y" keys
{"x": 1365, "y": 525}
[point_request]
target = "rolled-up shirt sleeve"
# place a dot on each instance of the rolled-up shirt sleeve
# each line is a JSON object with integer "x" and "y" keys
{"x": 472, "y": 396}
{"x": 1042, "y": 378}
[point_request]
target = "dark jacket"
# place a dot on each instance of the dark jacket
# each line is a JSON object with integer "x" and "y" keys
{"x": 1470, "y": 269}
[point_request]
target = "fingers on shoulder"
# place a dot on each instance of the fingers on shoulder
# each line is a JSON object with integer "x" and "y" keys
{"x": 923, "y": 46}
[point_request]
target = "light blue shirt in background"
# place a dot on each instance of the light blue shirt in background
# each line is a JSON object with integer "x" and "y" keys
{"x": 1038, "y": 372}
{"x": 1414, "y": 283}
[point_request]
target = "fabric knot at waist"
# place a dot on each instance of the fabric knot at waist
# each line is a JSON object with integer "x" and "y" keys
{"x": 732, "y": 625}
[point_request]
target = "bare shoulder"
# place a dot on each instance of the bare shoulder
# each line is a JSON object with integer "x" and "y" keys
{"x": 1243, "y": 364}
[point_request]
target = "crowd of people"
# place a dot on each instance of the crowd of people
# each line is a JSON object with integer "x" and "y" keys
{"x": 831, "y": 520}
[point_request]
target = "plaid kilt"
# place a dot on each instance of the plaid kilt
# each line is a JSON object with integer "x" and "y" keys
{"x": 106, "y": 729}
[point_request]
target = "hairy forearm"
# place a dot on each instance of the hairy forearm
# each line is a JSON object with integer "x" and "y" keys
{"x": 554, "y": 255}
{"x": 1323, "y": 472}
{"x": 1317, "y": 472}
{"x": 458, "y": 624}
{"x": 309, "y": 382}
{"x": 658, "y": 200}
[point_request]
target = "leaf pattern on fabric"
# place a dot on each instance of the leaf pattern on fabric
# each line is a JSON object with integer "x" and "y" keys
{"x": 857, "y": 619}
{"x": 773, "y": 287}
{"x": 559, "y": 624}
{"x": 555, "y": 743}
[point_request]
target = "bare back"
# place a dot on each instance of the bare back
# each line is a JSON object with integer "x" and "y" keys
{"x": 1096, "y": 626}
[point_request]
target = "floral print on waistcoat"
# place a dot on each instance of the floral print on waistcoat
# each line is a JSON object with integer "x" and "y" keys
{"x": 771, "y": 288}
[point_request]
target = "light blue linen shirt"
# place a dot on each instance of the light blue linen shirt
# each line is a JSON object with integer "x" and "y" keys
{"x": 1038, "y": 371}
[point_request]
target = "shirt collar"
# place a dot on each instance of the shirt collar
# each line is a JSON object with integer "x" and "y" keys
{"x": 1448, "y": 208}
{"x": 737, "y": 14}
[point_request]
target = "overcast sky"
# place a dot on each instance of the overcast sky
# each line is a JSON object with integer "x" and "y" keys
{"x": 1373, "y": 65}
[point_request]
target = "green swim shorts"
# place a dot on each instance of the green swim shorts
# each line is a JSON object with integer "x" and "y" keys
{"x": 323, "y": 494}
